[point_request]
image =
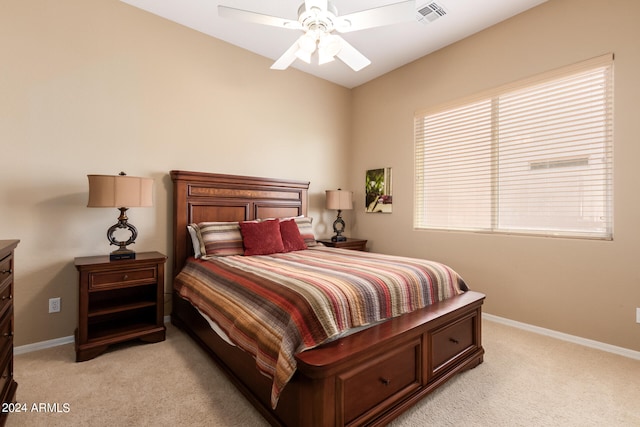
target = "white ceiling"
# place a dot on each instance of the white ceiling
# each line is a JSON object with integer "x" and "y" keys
{"x": 387, "y": 47}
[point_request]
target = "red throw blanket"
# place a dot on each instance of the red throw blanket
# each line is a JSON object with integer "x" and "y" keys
{"x": 275, "y": 306}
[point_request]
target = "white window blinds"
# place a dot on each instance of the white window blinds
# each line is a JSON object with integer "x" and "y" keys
{"x": 533, "y": 157}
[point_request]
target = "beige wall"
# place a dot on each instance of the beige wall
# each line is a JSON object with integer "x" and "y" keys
{"x": 98, "y": 87}
{"x": 580, "y": 287}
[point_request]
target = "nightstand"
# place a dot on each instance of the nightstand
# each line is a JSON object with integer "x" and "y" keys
{"x": 354, "y": 244}
{"x": 119, "y": 301}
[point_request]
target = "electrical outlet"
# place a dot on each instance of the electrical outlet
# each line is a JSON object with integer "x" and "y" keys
{"x": 54, "y": 305}
{"x": 638, "y": 315}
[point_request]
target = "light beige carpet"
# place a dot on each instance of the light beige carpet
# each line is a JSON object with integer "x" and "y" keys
{"x": 525, "y": 380}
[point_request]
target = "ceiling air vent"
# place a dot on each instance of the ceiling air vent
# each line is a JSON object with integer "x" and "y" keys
{"x": 430, "y": 12}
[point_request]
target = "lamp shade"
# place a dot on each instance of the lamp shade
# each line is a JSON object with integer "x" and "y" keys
{"x": 339, "y": 200}
{"x": 117, "y": 191}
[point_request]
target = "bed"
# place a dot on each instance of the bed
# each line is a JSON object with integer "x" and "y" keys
{"x": 365, "y": 378}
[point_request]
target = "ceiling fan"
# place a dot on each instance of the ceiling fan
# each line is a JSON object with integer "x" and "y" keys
{"x": 318, "y": 19}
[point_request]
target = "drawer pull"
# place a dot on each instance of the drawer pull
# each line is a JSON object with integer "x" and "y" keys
{"x": 7, "y": 271}
{"x": 6, "y": 297}
{"x": 125, "y": 277}
{"x": 453, "y": 340}
{"x": 385, "y": 381}
{"x": 7, "y": 334}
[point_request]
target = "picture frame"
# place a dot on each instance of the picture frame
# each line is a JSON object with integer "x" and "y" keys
{"x": 378, "y": 191}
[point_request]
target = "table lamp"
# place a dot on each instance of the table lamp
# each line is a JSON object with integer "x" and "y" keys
{"x": 339, "y": 200}
{"x": 121, "y": 192}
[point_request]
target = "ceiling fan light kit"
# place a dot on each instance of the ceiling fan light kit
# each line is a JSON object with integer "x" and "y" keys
{"x": 328, "y": 47}
{"x": 318, "y": 19}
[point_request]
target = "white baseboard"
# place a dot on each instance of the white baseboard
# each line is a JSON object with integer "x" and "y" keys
{"x": 531, "y": 328}
{"x": 565, "y": 337}
{"x": 28, "y": 348}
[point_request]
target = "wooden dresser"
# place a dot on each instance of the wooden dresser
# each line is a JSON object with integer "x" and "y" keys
{"x": 8, "y": 385}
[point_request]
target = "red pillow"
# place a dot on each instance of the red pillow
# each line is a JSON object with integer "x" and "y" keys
{"x": 291, "y": 238}
{"x": 261, "y": 238}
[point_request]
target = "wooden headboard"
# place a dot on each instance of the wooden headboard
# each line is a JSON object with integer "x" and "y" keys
{"x": 199, "y": 197}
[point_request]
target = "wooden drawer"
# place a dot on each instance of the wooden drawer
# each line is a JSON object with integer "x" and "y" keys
{"x": 6, "y": 336}
{"x": 5, "y": 297}
{"x": 355, "y": 246}
{"x": 122, "y": 278}
{"x": 6, "y": 373}
{"x": 368, "y": 390}
{"x": 6, "y": 330}
{"x": 451, "y": 342}
{"x": 352, "y": 244}
{"x": 6, "y": 269}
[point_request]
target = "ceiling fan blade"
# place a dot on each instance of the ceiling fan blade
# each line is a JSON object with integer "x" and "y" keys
{"x": 257, "y": 18}
{"x": 377, "y": 17}
{"x": 287, "y": 58}
{"x": 351, "y": 56}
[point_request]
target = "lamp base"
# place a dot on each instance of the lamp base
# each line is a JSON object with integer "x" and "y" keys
{"x": 120, "y": 254}
{"x": 338, "y": 228}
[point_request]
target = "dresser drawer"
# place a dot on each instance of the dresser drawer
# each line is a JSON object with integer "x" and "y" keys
{"x": 6, "y": 331}
{"x": 451, "y": 342}
{"x": 368, "y": 390}
{"x": 5, "y": 297}
{"x": 6, "y": 269}
{"x": 6, "y": 373}
{"x": 122, "y": 278}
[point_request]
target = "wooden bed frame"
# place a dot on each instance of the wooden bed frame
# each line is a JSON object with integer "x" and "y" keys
{"x": 367, "y": 378}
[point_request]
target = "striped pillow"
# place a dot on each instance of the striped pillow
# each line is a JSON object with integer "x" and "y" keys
{"x": 219, "y": 238}
{"x": 306, "y": 230}
{"x": 225, "y": 238}
{"x": 195, "y": 240}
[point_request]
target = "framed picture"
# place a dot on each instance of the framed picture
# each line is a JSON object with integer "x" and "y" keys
{"x": 379, "y": 198}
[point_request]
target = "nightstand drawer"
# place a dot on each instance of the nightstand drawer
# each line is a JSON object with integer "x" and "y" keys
{"x": 122, "y": 278}
{"x": 353, "y": 244}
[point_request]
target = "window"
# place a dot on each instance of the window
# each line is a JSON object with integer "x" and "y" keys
{"x": 533, "y": 157}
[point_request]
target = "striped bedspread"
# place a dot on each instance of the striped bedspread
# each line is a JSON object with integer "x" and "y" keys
{"x": 275, "y": 306}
